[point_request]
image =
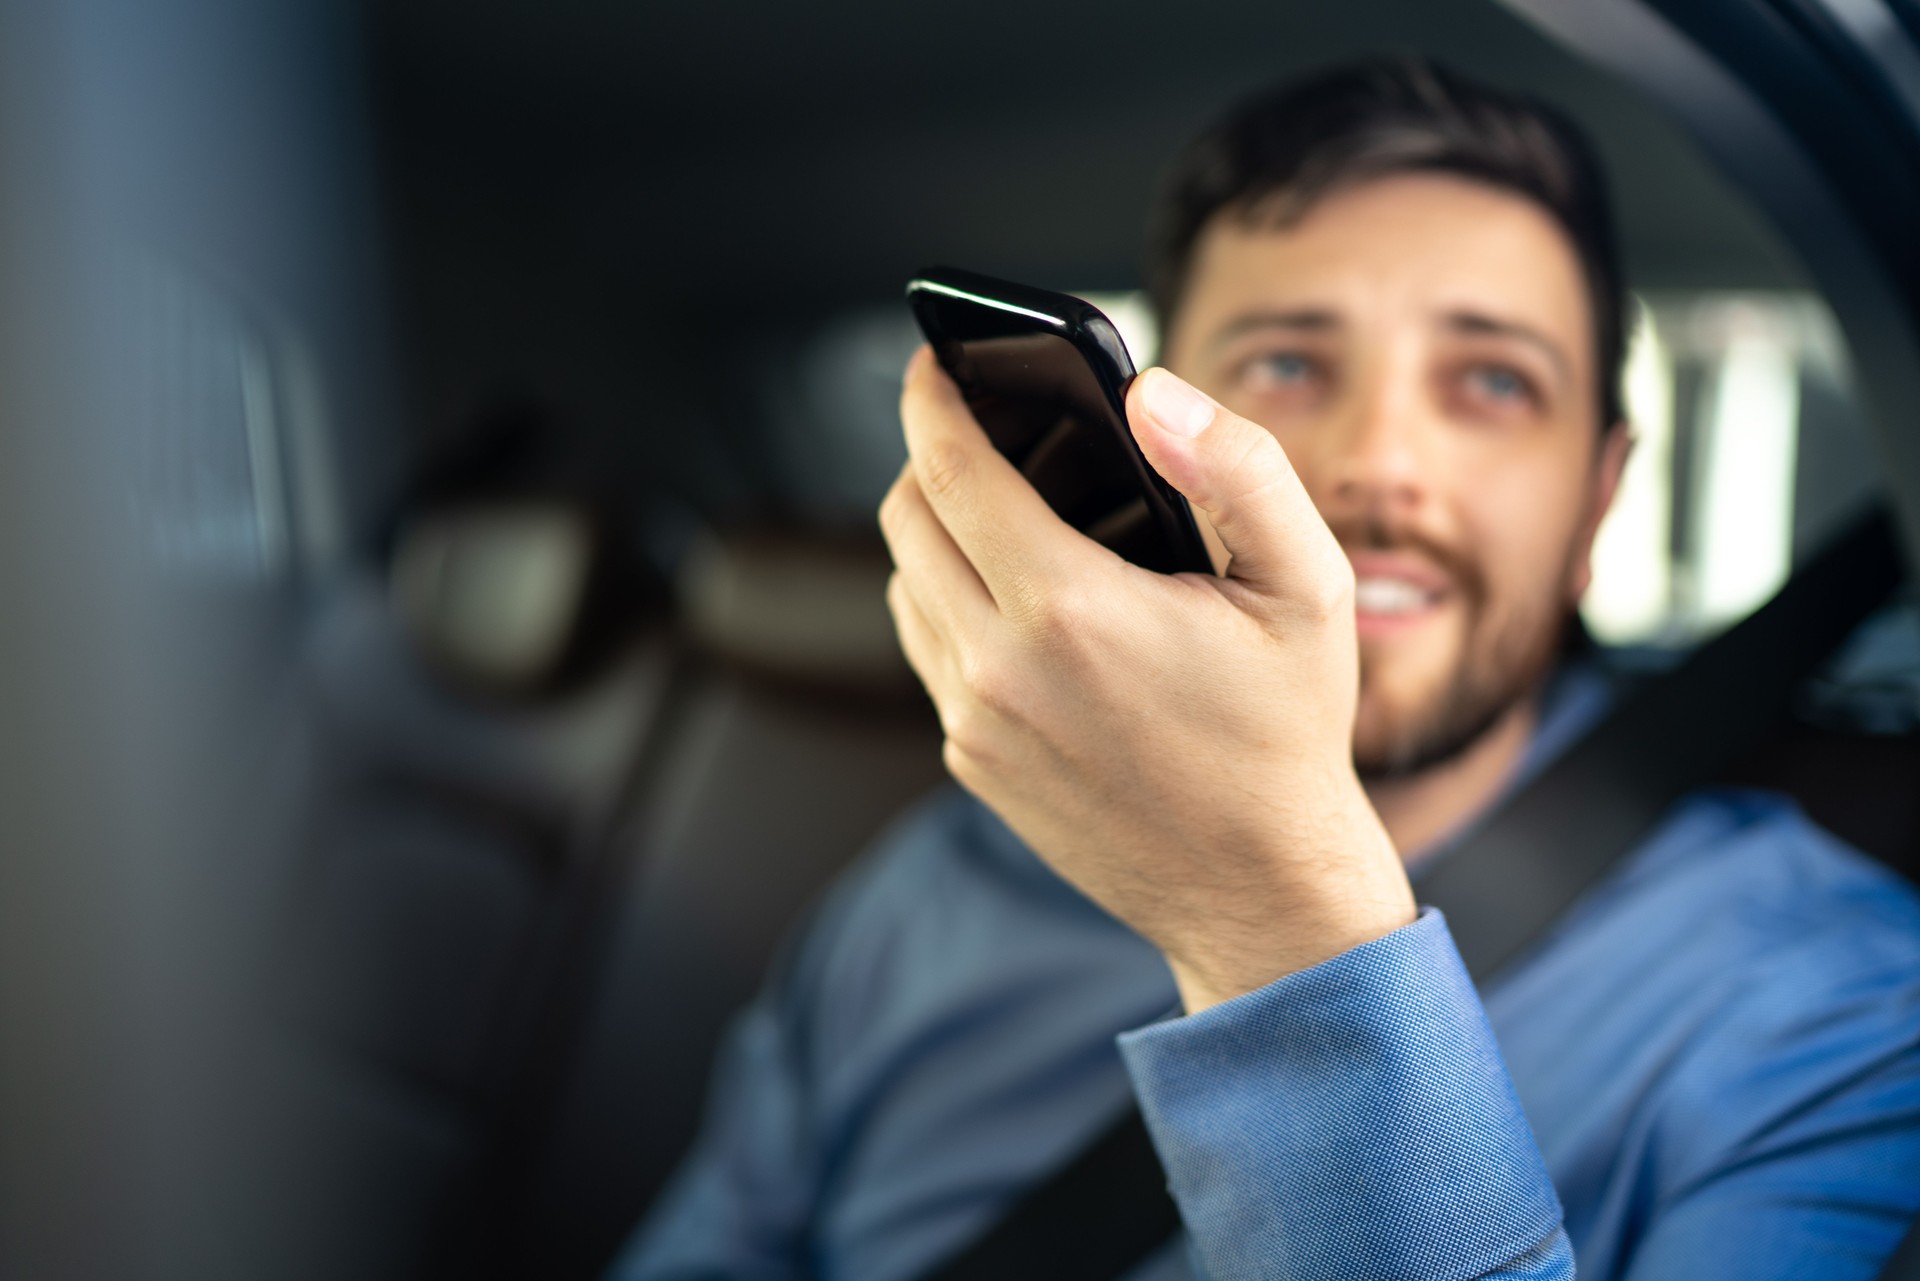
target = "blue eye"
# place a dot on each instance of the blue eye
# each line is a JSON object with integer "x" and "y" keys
{"x": 1287, "y": 367}
{"x": 1501, "y": 384}
{"x": 1281, "y": 371}
{"x": 1288, "y": 381}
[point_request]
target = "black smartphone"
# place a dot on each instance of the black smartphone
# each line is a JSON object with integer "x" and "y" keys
{"x": 1046, "y": 375}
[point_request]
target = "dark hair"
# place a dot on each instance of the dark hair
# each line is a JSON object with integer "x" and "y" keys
{"x": 1274, "y": 156}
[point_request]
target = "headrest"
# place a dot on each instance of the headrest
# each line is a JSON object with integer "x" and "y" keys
{"x": 800, "y": 607}
{"x": 494, "y": 593}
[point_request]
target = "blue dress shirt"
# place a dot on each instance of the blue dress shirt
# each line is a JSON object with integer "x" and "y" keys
{"x": 1709, "y": 1069}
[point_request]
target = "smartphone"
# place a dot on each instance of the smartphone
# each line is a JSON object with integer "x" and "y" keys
{"x": 1046, "y": 375}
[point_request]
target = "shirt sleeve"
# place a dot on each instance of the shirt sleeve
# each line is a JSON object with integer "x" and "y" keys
{"x": 1351, "y": 1120}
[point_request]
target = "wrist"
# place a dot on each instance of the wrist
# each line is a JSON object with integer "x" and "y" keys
{"x": 1326, "y": 897}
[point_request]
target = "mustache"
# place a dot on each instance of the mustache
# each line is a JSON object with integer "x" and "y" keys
{"x": 1372, "y": 534}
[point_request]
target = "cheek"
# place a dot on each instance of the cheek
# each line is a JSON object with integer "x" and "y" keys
{"x": 1520, "y": 531}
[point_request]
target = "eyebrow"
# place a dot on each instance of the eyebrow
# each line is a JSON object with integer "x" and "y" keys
{"x": 1300, "y": 320}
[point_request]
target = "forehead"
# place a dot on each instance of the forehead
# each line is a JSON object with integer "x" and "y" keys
{"x": 1405, "y": 248}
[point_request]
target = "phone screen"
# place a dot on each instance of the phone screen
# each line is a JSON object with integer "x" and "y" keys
{"x": 1040, "y": 404}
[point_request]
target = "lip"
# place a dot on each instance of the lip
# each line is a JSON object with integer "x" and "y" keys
{"x": 1415, "y": 570}
{"x": 1417, "y": 573}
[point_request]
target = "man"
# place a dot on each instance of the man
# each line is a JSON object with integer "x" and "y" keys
{"x": 1393, "y": 341}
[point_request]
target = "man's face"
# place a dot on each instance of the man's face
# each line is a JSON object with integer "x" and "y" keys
{"x": 1421, "y": 345}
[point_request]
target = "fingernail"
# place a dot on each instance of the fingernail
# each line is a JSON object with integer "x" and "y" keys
{"x": 1175, "y": 406}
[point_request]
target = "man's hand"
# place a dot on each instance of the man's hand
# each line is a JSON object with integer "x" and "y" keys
{"x": 1179, "y": 747}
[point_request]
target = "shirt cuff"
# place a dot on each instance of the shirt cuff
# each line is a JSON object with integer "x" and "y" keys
{"x": 1351, "y": 1120}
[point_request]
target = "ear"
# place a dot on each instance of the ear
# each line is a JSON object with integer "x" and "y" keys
{"x": 1615, "y": 449}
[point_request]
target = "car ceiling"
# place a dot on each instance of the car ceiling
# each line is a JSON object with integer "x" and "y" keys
{"x": 598, "y": 200}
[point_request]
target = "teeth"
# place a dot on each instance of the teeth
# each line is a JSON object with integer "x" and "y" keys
{"x": 1387, "y": 596}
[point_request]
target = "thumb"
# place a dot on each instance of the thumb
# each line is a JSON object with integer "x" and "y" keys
{"x": 1235, "y": 472}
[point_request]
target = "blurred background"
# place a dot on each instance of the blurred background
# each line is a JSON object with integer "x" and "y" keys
{"x": 443, "y": 651}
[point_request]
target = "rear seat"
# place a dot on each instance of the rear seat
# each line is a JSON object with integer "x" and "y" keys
{"x": 800, "y": 733}
{"x": 527, "y": 911}
{"x": 436, "y": 898}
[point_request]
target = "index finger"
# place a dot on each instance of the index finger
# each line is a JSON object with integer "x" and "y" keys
{"x": 1016, "y": 543}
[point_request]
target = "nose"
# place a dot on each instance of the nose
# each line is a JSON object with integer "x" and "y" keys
{"x": 1377, "y": 458}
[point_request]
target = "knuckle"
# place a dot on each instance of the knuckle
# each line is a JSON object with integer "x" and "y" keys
{"x": 1240, "y": 466}
{"x": 893, "y": 507}
{"x": 959, "y": 763}
{"x": 986, "y": 684}
{"x": 1254, "y": 472}
{"x": 1328, "y": 598}
{"x": 1057, "y": 619}
{"x": 910, "y": 384}
{"x": 1250, "y": 463}
{"x": 942, "y": 469}
{"x": 963, "y": 723}
{"x": 994, "y": 691}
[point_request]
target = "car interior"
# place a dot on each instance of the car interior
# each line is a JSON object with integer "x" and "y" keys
{"x": 517, "y": 385}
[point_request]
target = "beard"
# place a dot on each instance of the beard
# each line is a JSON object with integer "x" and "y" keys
{"x": 1505, "y": 653}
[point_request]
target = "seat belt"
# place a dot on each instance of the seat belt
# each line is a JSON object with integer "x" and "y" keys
{"x": 1905, "y": 1263}
{"x": 1505, "y": 884}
